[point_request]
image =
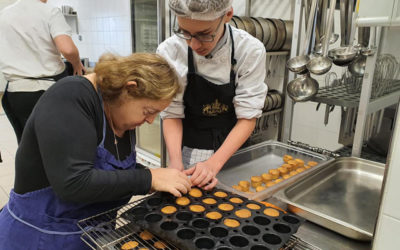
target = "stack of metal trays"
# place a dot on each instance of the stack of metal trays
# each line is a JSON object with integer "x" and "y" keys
{"x": 343, "y": 196}
{"x": 260, "y": 158}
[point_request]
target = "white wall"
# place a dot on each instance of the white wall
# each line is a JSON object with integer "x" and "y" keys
{"x": 104, "y": 26}
{"x": 388, "y": 226}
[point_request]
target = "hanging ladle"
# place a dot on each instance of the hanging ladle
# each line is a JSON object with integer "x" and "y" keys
{"x": 321, "y": 64}
{"x": 302, "y": 88}
{"x": 298, "y": 64}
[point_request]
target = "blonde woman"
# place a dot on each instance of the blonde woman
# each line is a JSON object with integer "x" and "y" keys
{"x": 77, "y": 154}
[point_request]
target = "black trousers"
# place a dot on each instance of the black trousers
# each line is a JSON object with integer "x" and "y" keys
{"x": 18, "y": 107}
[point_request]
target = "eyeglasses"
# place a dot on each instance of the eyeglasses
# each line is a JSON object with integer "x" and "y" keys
{"x": 200, "y": 37}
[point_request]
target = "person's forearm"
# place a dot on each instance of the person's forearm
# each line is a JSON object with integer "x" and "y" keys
{"x": 68, "y": 49}
{"x": 235, "y": 139}
{"x": 172, "y": 129}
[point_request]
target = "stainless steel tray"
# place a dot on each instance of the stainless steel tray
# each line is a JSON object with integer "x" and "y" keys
{"x": 343, "y": 196}
{"x": 259, "y": 159}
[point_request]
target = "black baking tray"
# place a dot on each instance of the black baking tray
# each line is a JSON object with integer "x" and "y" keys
{"x": 190, "y": 230}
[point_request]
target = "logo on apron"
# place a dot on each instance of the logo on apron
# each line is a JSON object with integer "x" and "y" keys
{"x": 215, "y": 108}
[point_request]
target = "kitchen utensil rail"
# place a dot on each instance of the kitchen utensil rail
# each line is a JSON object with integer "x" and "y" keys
{"x": 313, "y": 149}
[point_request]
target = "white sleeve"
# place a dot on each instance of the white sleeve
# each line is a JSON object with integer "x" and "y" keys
{"x": 251, "y": 90}
{"x": 169, "y": 51}
{"x": 57, "y": 24}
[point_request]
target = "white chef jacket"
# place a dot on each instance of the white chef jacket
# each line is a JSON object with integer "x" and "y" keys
{"x": 250, "y": 74}
{"x": 27, "y": 49}
{"x": 250, "y": 71}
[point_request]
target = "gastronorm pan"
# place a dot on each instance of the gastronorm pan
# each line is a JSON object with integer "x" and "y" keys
{"x": 343, "y": 196}
{"x": 260, "y": 158}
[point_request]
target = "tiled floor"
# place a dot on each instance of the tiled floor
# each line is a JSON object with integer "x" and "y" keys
{"x": 8, "y": 147}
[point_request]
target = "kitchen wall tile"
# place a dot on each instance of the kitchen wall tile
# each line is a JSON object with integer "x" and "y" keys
{"x": 387, "y": 234}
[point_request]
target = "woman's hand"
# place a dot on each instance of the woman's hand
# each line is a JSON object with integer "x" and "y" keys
{"x": 170, "y": 180}
{"x": 203, "y": 175}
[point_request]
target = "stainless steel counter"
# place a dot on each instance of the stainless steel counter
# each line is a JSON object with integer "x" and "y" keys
{"x": 321, "y": 238}
{"x": 325, "y": 239}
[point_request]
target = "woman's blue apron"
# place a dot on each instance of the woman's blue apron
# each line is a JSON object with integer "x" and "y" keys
{"x": 39, "y": 220}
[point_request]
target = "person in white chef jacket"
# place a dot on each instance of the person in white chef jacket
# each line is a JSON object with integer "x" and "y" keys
{"x": 222, "y": 71}
{"x": 33, "y": 34}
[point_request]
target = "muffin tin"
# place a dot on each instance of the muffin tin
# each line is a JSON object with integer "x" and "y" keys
{"x": 190, "y": 230}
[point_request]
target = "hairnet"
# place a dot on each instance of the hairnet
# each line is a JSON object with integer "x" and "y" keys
{"x": 205, "y": 10}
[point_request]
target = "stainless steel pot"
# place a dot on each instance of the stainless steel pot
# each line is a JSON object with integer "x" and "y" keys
{"x": 259, "y": 29}
{"x": 280, "y": 33}
{"x": 248, "y": 25}
{"x": 289, "y": 33}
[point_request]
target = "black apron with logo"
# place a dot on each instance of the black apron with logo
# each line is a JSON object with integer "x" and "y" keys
{"x": 209, "y": 111}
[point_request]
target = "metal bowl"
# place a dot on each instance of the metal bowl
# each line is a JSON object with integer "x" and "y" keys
{"x": 319, "y": 65}
{"x": 302, "y": 88}
{"x": 368, "y": 51}
{"x": 343, "y": 56}
{"x": 298, "y": 64}
{"x": 357, "y": 67}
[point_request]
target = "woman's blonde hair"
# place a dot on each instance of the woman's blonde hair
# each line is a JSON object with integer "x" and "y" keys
{"x": 154, "y": 77}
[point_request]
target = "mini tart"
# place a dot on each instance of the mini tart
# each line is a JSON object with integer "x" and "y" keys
{"x": 287, "y": 158}
{"x": 272, "y": 205}
{"x": 256, "y": 184}
{"x": 253, "y": 206}
{"x": 287, "y": 166}
{"x": 243, "y": 213}
{"x": 270, "y": 183}
{"x": 292, "y": 173}
{"x": 183, "y": 201}
{"x": 260, "y": 188}
{"x": 293, "y": 163}
{"x": 197, "y": 208}
{"x": 278, "y": 180}
{"x": 214, "y": 215}
{"x": 274, "y": 172}
{"x": 225, "y": 207}
{"x": 209, "y": 201}
{"x": 160, "y": 245}
{"x": 168, "y": 209}
{"x": 286, "y": 176}
{"x": 300, "y": 162}
{"x": 271, "y": 212}
{"x": 282, "y": 170}
{"x": 307, "y": 167}
{"x": 146, "y": 235}
{"x": 220, "y": 194}
{"x": 236, "y": 200}
{"x": 231, "y": 223}
{"x": 256, "y": 179}
{"x": 300, "y": 169}
{"x": 244, "y": 183}
{"x": 195, "y": 192}
{"x": 129, "y": 245}
{"x": 266, "y": 177}
{"x": 237, "y": 187}
{"x": 312, "y": 163}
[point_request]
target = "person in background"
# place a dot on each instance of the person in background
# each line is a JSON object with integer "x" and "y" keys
{"x": 33, "y": 34}
{"x": 222, "y": 72}
{"x": 77, "y": 154}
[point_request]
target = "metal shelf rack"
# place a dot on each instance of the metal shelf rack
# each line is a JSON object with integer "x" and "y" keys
{"x": 339, "y": 96}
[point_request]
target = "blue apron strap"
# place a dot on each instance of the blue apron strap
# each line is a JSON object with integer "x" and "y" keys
{"x": 38, "y": 228}
{"x": 104, "y": 116}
